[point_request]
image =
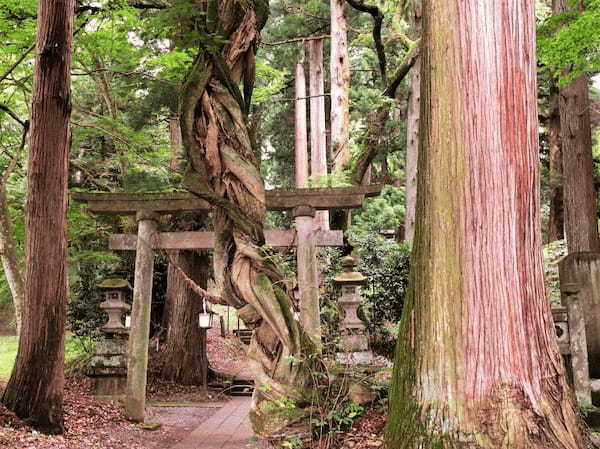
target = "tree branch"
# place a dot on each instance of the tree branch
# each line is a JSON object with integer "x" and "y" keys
{"x": 403, "y": 70}
{"x": 298, "y": 39}
{"x": 17, "y": 62}
{"x": 15, "y": 159}
{"x": 378, "y": 17}
{"x": 6, "y": 109}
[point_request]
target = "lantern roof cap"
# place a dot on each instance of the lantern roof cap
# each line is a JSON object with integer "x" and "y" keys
{"x": 349, "y": 275}
{"x": 114, "y": 283}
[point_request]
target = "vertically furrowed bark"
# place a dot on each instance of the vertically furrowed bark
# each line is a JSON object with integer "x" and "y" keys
{"x": 412, "y": 133}
{"x": 581, "y": 221}
{"x": 477, "y": 364}
{"x": 223, "y": 169}
{"x": 301, "y": 153}
{"x": 318, "y": 133}
{"x": 556, "y": 220}
{"x": 176, "y": 144}
{"x": 340, "y": 86}
{"x": 184, "y": 361}
{"x": 35, "y": 388}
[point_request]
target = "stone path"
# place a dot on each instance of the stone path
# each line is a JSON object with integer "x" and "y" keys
{"x": 228, "y": 428}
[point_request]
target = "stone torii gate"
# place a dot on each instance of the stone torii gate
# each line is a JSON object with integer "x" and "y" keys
{"x": 147, "y": 209}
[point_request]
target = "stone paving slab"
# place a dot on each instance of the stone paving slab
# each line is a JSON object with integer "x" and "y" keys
{"x": 228, "y": 428}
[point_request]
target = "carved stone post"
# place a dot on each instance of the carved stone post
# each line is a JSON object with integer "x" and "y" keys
{"x": 108, "y": 368}
{"x": 137, "y": 367}
{"x": 583, "y": 269}
{"x": 308, "y": 274}
{"x": 354, "y": 341}
{"x": 578, "y": 342}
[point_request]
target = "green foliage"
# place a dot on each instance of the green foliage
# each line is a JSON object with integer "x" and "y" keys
{"x": 386, "y": 265}
{"x": 8, "y": 353}
{"x": 568, "y": 43}
{"x": 383, "y": 212}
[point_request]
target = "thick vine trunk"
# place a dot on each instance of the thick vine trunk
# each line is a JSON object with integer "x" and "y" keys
{"x": 35, "y": 388}
{"x": 224, "y": 170}
{"x": 556, "y": 221}
{"x": 477, "y": 364}
{"x": 340, "y": 86}
{"x": 185, "y": 363}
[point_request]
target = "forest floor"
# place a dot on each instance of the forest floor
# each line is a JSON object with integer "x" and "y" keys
{"x": 179, "y": 409}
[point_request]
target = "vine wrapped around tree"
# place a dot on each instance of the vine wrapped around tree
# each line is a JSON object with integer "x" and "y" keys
{"x": 223, "y": 169}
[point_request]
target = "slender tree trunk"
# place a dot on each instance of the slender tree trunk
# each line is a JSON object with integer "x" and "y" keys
{"x": 301, "y": 167}
{"x": 35, "y": 389}
{"x": 581, "y": 221}
{"x": 176, "y": 144}
{"x": 318, "y": 133}
{"x": 412, "y": 133}
{"x": 477, "y": 364}
{"x": 185, "y": 363}
{"x": 10, "y": 260}
{"x": 556, "y": 222}
{"x": 224, "y": 170}
{"x": 340, "y": 86}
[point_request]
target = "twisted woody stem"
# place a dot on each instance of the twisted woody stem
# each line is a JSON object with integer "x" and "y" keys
{"x": 223, "y": 169}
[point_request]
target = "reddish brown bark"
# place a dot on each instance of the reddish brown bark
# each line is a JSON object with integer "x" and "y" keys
{"x": 477, "y": 365}
{"x": 318, "y": 133}
{"x": 35, "y": 389}
{"x": 556, "y": 220}
{"x": 581, "y": 221}
{"x": 185, "y": 362}
{"x": 340, "y": 86}
{"x": 581, "y": 213}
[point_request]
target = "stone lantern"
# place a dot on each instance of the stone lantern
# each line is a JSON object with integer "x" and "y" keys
{"x": 354, "y": 341}
{"x": 108, "y": 368}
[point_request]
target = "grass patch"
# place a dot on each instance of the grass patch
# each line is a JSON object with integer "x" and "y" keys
{"x": 76, "y": 350}
{"x": 8, "y": 352}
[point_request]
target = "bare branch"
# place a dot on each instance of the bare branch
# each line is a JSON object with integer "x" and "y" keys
{"x": 377, "y": 17}
{"x": 15, "y": 159}
{"x": 19, "y": 60}
{"x": 402, "y": 71}
{"x": 14, "y": 116}
{"x": 298, "y": 39}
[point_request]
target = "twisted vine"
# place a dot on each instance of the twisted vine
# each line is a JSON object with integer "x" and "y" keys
{"x": 224, "y": 170}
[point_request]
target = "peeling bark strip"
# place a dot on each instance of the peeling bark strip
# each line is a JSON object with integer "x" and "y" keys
{"x": 477, "y": 365}
{"x": 35, "y": 389}
{"x": 223, "y": 170}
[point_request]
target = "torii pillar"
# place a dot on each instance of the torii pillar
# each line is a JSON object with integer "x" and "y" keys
{"x": 307, "y": 271}
{"x": 137, "y": 365}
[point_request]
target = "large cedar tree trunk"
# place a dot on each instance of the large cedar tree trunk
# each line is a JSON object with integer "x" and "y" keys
{"x": 35, "y": 388}
{"x": 477, "y": 364}
{"x": 185, "y": 362}
{"x": 224, "y": 170}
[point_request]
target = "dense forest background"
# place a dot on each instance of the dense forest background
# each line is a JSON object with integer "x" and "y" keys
{"x": 129, "y": 61}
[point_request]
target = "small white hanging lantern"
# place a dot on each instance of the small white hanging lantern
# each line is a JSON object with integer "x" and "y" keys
{"x": 128, "y": 321}
{"x": 205, "y": 318}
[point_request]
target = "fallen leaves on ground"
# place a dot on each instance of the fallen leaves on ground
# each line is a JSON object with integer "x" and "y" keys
{"x": 89, "y": 424}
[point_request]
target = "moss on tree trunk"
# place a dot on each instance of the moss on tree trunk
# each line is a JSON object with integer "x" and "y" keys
{"x": 477, "y": 365}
